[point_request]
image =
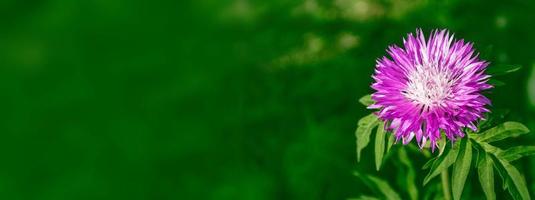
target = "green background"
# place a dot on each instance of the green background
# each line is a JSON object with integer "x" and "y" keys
{"x": 230, "y": 99}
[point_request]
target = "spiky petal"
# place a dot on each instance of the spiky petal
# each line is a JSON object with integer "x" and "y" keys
{"x": 430, "y": 87}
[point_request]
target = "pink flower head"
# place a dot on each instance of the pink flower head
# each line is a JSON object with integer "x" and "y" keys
{"x": 430, "y": 86}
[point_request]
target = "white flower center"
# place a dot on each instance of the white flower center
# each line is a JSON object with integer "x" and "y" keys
{"x": 429, "y": 85}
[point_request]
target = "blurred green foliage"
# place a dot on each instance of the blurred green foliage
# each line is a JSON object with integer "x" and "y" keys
{"x": 231, "y": 99}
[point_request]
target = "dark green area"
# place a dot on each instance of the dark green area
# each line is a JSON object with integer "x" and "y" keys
{"x": 231, "y": 99}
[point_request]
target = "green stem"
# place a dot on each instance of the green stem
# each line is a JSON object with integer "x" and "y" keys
{"x": 446, "y": 184}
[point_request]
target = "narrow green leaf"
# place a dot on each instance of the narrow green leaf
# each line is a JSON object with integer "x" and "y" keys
{"x": 379, "y": 145}
{"x": 429, "y": 163}
{"x": 461, "y": 168}
{"x": 502, "y": 131}
{"x": 441, "y": 145}
{"x": 379, "y": 186}
{"x": 491, "y": 152}
{"x": 486, "y": 175}
{"x": 363, "y": 132}
{"x": 410, "y": 178}
{"x": 366, "y": 100}
{"x": 443, "y": 162}
{"x": 514, "y": 181}
{"x": 516, "y": 184}
{"x": 514, "y": 153}
{"x": 498, "y": 70}
{"x": 391, "y": 140}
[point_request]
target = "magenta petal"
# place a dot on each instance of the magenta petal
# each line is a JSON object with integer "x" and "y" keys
{"x": 430, "y": 87}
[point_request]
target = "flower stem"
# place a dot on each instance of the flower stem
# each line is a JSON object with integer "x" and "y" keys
{"x": 445, "y": 184}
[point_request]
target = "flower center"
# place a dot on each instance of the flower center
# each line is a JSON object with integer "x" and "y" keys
{"x": 428, "y": 85}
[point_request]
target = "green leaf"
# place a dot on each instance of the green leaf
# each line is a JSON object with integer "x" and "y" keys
{"x": 516, "y": 184}
{"x": 498, "y": 70}
{"x": 366, "y": 100}
{"x": 486, "y": 175}
{"x": 443, "y": 162}
{"x": 429, "y": 163}
{"x": 379, "y": 146}
{"x": 461, "y": 168}
{"x": 514, "y": 153}
{"x": 441, "y": 145}
{"x": 410, "y": 178}
{"x": 391, "y": 140}
{"x": 379, "y": 186}
{"x": 363, "y": 132}
{"x": 502, "y": 131}
{"x": 492, "y": 151}
{"x": 513, "y": 180}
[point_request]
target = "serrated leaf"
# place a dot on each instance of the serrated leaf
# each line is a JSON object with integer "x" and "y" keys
{"x": 379, "y": 145}
{"x": 498, "y": 70}
{"x": 513, "y": 180}
{"x": 514, "y": 153}
{"x": 461, "y": 168}
{"x": 363, "y": 132}
{"x": 391, "y": 140}
{"x": 366, "y": 100}
{"x": 442, "y": 162}
{"x": 410, "y": 179}
{"x": 502, "y": 131}
{"x": 486, "y": 175}
{"x": 379, "y": 186}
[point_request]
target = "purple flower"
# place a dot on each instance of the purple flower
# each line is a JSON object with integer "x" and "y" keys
{"x": 429, "y": 87}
